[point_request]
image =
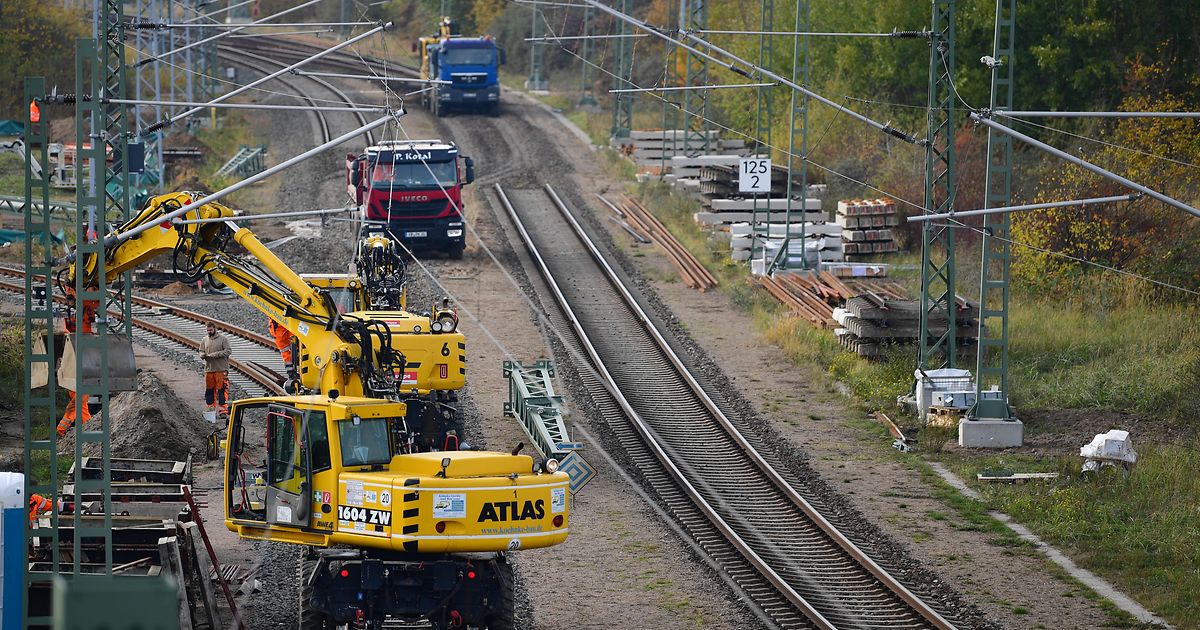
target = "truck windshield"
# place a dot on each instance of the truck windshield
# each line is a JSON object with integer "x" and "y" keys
{"x": 469, "y": 57}
{"x": 414, "y": 175}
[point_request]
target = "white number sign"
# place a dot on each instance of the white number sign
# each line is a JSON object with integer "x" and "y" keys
{"x": 754, "y": 175}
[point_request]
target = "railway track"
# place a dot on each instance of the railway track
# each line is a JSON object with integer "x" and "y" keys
{"x": 255, "y": 362}
{"x": 795, "y": 566}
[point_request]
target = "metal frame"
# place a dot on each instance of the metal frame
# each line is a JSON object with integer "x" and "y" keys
{"x": 762, "y": 125}
{"x": 991, "y": 362}
{"x": 537, "y": 78}
{"x": 693, "y": 16}
{"x": 531, "y": 399}
{"x": 41, "y": 412}
{"x": 938, "y": 274}
{"x": 587, "y": 88}
{"x": 622, "y": 121}
{"x": 799, "y": 109}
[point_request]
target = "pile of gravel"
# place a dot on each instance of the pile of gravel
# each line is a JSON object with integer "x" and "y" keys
{"x": 150, "y": 423}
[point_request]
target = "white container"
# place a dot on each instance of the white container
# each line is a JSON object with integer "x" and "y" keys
{"x": 12, "y": 490}
{"x": 210, "y": 416}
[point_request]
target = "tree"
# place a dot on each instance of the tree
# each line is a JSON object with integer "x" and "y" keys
{"x": 36, "y": 39}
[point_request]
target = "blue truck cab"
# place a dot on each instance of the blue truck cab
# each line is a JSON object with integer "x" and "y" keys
{"x": 468, "y": 71}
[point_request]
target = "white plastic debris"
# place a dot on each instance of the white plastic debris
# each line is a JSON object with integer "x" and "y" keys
{"x": 1110, "y": 448}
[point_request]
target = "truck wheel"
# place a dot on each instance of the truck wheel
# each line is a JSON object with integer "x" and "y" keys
{"x": 309, "y": 619}
{"x": 494, "y": 110}
{"x": 503, "y": 615}
{"x": 439, "y": 110}
{"x": 457, "y": 253}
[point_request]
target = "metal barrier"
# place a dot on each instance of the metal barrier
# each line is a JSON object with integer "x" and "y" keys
{"x": 531, "y": 399}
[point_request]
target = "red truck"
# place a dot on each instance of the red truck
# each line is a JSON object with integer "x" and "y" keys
{"x": 413, "y": 189}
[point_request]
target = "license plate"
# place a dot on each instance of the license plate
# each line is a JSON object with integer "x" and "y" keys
{"x": 468, "y": 95}
{"x": 415, "y": 234}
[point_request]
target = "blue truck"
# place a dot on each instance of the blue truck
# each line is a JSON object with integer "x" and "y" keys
{"x": 467, "y": 68}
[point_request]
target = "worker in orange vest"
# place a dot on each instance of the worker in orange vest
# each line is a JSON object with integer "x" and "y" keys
{"x": 283, "y": 343}
{"x": 38, "y": 505}
{"x": 89, "y": 313}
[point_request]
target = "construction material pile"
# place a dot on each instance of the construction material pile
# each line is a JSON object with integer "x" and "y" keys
{"x": 869, "y": 322}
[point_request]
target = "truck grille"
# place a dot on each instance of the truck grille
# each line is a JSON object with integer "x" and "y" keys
{"x": 412, "y": 208}
{"x": 468, "y": 79}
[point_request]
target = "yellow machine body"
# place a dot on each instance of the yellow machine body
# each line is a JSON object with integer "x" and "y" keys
{"x": 332, "y": 475}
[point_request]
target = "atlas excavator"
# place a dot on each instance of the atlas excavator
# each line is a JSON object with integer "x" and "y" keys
{"x": 395, "y": 526}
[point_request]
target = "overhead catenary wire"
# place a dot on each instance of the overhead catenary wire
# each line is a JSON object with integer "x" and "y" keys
{"x": 366, "y": 109}
{"x": 894, "y": 34}
{"x": 115, "y": 238}
{"x": 208, "y": 16}
{"x": 168, "y": 53}
{"x": 682, "y": 88}
{"x": 312, "y": 32}
{"x": 898, "y": 198}
{"x": 277, "y": 73}
{"x": 269, "y": 215}
{"x": 752, "y": 71}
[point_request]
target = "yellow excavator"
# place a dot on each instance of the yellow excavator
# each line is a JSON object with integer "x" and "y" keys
{"x": 396, "y": 526}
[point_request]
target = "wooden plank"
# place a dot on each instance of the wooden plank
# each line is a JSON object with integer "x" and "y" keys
{"x": 168, "y": 555}
{"x": 201, "y": 570}
{"x": 1016, "y": 477}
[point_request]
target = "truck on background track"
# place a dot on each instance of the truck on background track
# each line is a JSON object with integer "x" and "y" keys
{"x": 469, "y": 68}
{"x": 412, "y": 189}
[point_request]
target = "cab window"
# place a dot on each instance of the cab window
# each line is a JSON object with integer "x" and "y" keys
{"x": 286, "y": 452}
{"x": 364, "y": 442}
{"x": 318, "y": 441}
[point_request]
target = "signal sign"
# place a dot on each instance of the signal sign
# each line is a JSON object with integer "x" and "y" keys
{"x": 578, "y": 470}
{"x": 754, "y": 175}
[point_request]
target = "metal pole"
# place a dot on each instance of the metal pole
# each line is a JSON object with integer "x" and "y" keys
{"x": 762, "y": 133}
{"x": 273, "y": 75}
{"x": 799, "y": 109}
{"x": 693, "y": 15}
{"x": 1037, "y": 114}
{"x": 40, "y": 409}
{"x": 623, "y": 105}
{"x": 1086, "y": 165}
{"x": 1032, "y": 206}
{"x": 270, "y": 215}
{"x": 587, "y": 88}
{"x": 991, "y": 360}
{"x": 938, "y": 293}
{"x": 798, "y": 33}
{"x": 113, "y": 239}
{"x": 372, "y": 77}
{"x": 536, "y": 81}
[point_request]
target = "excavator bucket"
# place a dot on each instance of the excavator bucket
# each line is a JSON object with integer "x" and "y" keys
{"x": 122, "y": 371}
{"x": 40, "y": 376}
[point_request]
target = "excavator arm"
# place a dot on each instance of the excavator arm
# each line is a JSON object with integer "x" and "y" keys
{"x": 349, "y": 354}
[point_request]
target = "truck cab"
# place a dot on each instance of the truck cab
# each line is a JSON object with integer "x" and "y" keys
{"x": 414, "y": 190}
{"x": 469, "y": 68}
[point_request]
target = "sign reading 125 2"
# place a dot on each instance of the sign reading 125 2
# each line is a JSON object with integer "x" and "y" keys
{"x": 754, "y": 175}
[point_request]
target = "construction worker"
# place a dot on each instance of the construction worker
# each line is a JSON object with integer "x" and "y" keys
{"x": 283, "y": 343}
{"x": 215, "y": 351}
{"x": 38, "y": 505}
{"x": 89, "y": 313}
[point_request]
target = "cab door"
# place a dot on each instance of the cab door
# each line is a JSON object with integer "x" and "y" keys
{"x": 289, "y": 476}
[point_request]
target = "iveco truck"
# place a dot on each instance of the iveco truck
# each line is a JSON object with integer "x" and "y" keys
{"x": 413, "y": 190}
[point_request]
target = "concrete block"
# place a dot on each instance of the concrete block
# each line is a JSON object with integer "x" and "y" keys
{"x": 991, "y": 433}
